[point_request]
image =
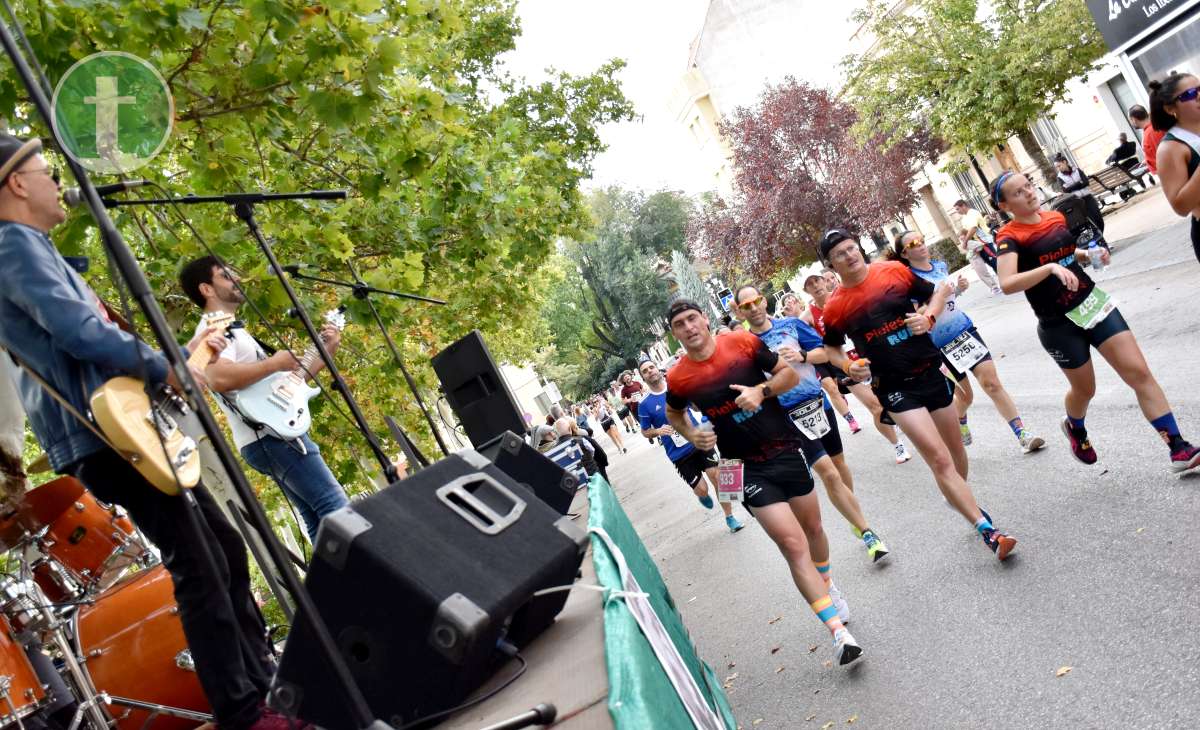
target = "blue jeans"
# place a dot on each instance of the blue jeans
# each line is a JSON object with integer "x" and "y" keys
{"x": 304, "y": 478}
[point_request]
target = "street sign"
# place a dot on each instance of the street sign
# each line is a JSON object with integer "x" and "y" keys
{"x": 1120, "y": 21}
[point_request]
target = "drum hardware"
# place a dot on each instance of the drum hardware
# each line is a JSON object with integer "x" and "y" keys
{"x": 91, "y": 706}
{"x": 184, "y": 660}
{"x": 157, "y": 710}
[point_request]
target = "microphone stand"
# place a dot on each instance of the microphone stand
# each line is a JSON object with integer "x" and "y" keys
{"x": 363, "y": 291}
{"x": 125, "y": 262}
{"x": 243, "y": 208}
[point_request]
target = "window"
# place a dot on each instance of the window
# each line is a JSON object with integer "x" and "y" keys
{"x": 1179, "y": 51}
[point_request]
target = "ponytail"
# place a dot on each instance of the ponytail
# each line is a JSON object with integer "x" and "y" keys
{"x": 1162, "y": 94}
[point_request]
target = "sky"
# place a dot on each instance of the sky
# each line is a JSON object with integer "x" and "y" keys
{"x": 771, "y": 39}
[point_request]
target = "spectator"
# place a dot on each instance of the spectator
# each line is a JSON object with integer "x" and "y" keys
{"x": 1140, "y": 119}
{"x": 1125, "y": 154}
{"x": 581, "y": 420}
{"x": 1075, "y": 182}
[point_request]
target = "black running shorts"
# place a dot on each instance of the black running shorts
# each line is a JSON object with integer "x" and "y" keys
{"x": 929, "y": 390}
{"x": 828, "y": 445}
{"x": 692, "y": 466}
{"x": 963, "y": 376}
{"x": 624, "y": 412}
{"x": 776, "y": 480}
{"x": 1070, "y": 345}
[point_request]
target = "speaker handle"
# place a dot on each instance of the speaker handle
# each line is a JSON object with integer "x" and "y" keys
{"x": 475, "y": 511}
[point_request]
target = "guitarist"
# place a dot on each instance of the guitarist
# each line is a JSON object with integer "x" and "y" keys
{"x": 52, "y": 321}
{"x": 296, "y": 466}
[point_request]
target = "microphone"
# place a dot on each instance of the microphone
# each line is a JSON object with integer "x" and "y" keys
{"x": 74, "y": 196}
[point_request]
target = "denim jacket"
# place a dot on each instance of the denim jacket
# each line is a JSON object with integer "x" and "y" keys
{"x": 53, "y": 321}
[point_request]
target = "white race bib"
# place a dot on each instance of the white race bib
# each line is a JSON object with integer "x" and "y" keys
{"x": 678, "y": 440}
{"x": 964, "y": 352}
{"x": 810, "y": 418}
{"x": 1093, "y": 310}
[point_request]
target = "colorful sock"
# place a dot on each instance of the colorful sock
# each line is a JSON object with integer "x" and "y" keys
{"x": 1166, "y": 427}
{"x": 848, "y": 416}
{"x": 1076, "y": 423}
{"x": 825, "y": 611}
{"x": 984, "y": 525}
{"x": 823, "y": 569}
{"x": 962, "y": 420}
{"x": 1017, "y": 426}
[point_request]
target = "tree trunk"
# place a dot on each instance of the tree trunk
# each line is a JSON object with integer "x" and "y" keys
{"x": 1035, "y": 152}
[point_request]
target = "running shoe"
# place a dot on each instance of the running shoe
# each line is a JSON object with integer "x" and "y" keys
{"x": 902, "y": 454}
{"x": 1187, "y": 457}
{"x": 706, "y": 501}
{"x": 966, "y": 434}
{"x": 875, "y": 547}
{"x": 845, "y": 648}
{"x": 850, "y": 421}
{"x": 1029, "y": 442}
{"x": 1081, "y": 448}
{"x": 839, "y": 602}
{"x": 999, "y": 543}
{"x": 734, "y": 523}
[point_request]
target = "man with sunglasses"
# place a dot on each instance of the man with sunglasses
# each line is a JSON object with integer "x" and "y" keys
{"x": 56, "y": 325}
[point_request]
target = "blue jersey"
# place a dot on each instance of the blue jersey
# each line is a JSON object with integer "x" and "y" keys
{"x": 953, "y": 321}
{"x": 801, "y": 335}
{"x": 652, "y": 413}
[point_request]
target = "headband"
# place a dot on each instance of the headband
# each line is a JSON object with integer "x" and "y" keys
{"x": 999, "y": 184}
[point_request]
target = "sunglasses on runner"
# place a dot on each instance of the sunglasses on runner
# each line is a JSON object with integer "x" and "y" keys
{"x": 918, "y": 241}
{"x": 1189, "y": 95}
{"x": 751, "y": 303}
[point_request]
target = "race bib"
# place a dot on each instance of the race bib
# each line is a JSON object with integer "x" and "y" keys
{"x": 810, "y": 418}
{"x": 729, "y": 480}
{"x": 678, "y": 440}
{"x": 964, "y": 352}
{"x": 1093, "y": 310}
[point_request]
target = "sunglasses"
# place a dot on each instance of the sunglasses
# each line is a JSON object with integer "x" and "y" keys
{"x": 52, "y": 171}
{"x": 1189, "y": 95}
{"x": 751, "y": 303}
{"x": 918, "y": 241}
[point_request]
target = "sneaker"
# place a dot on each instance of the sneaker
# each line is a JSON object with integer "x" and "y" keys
{"x": 734, "y": 523}
{"x": 875, "y": 547}
{"x": 999, "y": 543}
{"x": 1186, "y": 458}
{"x": 845, "y": 648}
{"x": 1029, "y": 442}
{"x": 902, "y": 454}
{"x": 706, "y": 500}
{"x": 966, "y": 434}
{"x": 852, "y": 423}
{"x": 1081, "y": 448}
{"x": 839, "y": 602}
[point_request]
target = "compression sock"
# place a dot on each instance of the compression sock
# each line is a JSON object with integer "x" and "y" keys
{"x": 1017, "y": 426}
{"x": 984, "y": 525}
{"x": 1076, "y": 423}
{"x": 1165, "y": 425}
{"x": 823, "y": 569}
{"x": 848, "y": 416}
{"x": 826, "y": 611}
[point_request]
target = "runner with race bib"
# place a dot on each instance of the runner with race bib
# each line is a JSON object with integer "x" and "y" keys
{"x": 801, "y": 347}
{"x": 1038, "y": 256}
{"x": 724, "y": 378}
{"x": 873, "y": 306}
{"x": 692, "y": 464}
{"x": 963, "y": 348}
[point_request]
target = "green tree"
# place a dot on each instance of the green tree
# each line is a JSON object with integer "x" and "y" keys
{"x": 974, "y": 74}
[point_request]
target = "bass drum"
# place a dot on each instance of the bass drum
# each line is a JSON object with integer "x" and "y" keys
{"x": 133, "y": 647}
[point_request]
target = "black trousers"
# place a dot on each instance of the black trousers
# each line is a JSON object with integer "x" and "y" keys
{"x": 223, "y": 626}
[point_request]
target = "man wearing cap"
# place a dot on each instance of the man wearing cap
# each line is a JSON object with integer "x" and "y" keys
{"x": 734, "y": 380}
{"x": 55, "y": 324}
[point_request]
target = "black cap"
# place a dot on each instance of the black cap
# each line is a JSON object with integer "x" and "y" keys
{"x": 681, "y": 304}
{"x": 831, "y": 239}
{"x": 14, "y": 152}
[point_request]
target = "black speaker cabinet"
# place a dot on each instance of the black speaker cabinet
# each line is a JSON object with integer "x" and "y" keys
{"x": 419, "y": 583}
{"x": 476, "y": 390}
{"x": 552, "y": 484}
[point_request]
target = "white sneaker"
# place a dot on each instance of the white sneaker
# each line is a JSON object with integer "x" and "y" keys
{"x": 902, "y": 454}
{"x": 845, "y": 648}
{"x": 839, "y": 602}
{"x": 1029, "y": 442}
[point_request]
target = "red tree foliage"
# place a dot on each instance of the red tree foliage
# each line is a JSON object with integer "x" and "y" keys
{"x": 798, "y": 172}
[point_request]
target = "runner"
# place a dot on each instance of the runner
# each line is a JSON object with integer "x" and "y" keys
{"x": 827, "y": 375}
{"x": 602, "y": 412}
{"x": 723, "y": 377}
{"x": 963, "y": 348}
{"x": 1038, "y": 256}
{"x": 1175, "y": 110}
{"x": 631, "y": 395}
{"x": 862, "y": 391}
{"x": 874, "y": 308}
{"x": 791, "y": 306}
{"x": 809, "y": 410}
{"x": 613, "y": 396}
{"x": 693, "y": 465}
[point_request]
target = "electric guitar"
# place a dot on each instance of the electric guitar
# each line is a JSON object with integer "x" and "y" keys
{"x": 279, "y": 402}
{"x": 147, "y": 430}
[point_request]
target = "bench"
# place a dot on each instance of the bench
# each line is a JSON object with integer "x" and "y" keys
{"x": 1113, "y": 180}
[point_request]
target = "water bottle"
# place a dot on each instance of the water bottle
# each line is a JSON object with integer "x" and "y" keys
{"x": 1094, "y": 256}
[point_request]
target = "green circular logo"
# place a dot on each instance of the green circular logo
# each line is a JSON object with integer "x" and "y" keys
{"x": 113, "y": 112}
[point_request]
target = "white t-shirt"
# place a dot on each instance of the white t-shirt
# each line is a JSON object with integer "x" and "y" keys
{"x": 974, "y": 219}
{"x": 241, "y": 349}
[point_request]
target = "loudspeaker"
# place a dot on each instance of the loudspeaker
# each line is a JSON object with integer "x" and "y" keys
{"x": 419, "y": 583}
{"x": 476, "y": 390}
{"x": 514, "y": 456}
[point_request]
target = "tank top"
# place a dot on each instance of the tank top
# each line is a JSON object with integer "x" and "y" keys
{"x": 1192, "y": 140}
{"x": 818, "y": 321}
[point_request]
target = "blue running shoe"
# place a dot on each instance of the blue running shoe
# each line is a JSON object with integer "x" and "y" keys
{"x": 734, "y": 523}
{"x": 706, "y": 501}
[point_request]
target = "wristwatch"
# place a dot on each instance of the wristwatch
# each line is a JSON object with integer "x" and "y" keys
{"x": 766, "y": 390}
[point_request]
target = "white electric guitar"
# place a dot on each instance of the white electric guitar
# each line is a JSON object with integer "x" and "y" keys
{"x": 279, "y": 402}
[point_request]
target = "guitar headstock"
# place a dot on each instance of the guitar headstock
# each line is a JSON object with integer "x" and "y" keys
{"x": 220, "y": 320}
{"x": 337, "y": 318}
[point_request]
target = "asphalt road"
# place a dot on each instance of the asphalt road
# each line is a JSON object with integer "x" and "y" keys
{"x": 1104, "y": 580}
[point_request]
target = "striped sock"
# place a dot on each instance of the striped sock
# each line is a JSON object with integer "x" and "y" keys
{"x": 983, "y": 525}
{"x": 1017, "y": 426}
{"x": 823, "y": 569}
{"x": 825, "y": 611}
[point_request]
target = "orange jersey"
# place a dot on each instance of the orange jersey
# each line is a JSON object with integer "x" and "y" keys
{"x": 1048, "y": 241}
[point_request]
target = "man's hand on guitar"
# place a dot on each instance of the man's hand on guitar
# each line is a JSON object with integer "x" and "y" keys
{"x": 197, "y": 374}
{"x": 284, "y": 361}
{"x": 213, "y": 338}
{"x": 332, "y": 337}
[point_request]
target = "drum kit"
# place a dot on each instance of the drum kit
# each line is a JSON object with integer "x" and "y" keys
{"x": 90, "y": 635}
